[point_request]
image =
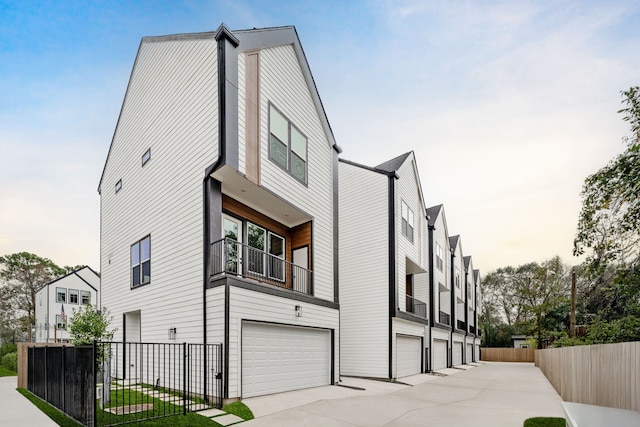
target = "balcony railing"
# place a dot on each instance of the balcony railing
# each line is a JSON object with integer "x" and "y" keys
{"x": 462, "y": 325}
{"x": 416, "y": 307}
{"x": 231, "y": 257}
{"x": 444, "y": 318}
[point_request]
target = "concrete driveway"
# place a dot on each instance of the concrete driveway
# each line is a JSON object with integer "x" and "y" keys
{"x": 489, "y": 394}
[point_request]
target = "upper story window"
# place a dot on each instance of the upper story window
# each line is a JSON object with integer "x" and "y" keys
{"x": 73, "y": 296}
{"x": 118, "y": 185}
{"x": 86, "y": 297}
{"x": 407, "y": 221}
{"x": 287, "y": 145}
{"x": 61, "y": 294}
{"x": 457, "y": 278}
{"x": 141, "y": 262}
{"x": 439, "y": 257}
{"x": 146, "y": 157}
{"x": 61, "y": 322}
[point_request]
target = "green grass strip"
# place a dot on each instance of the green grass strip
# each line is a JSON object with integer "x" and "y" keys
{"x": 5, "y": 372}
{"x": 239, "y": 409}
{"x": 53, "y": 413}
{"x": 545, "y": 422}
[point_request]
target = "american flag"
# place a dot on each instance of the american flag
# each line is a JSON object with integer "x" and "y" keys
{"x": 62, "y": 315}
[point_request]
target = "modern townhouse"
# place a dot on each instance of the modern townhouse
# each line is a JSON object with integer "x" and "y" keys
{"x": 384, "y": 280}
{"x": 477, "y": 341}
{"x": 458, "y": 301}
{"x": 56, "y": 301}
{"x": 469, "y": 311}
{"x": 219, "y": 208}
{"x": 441, "y": 289}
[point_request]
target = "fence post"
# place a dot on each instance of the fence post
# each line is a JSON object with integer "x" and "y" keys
{"x": 46, "y": 377}
{"x": 93, "y": 393}
{"x": 184, "y": 378}
{"x": 205, "y": 373}
{"x": 64, "y": 376}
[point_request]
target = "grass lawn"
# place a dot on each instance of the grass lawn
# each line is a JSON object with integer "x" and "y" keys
{"x": 4, "y": 372}
{"x": 545, "y": 422}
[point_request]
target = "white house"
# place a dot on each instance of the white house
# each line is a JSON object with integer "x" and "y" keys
{"x": 219, "y": 208}
{"x": 56, "y": 301}
{"x": 458, "y": 299}
{"x": 384, "y": 283}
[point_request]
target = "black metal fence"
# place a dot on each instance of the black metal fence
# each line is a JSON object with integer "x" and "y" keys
{"x": 231, "y": 257}
{"x": 65, "y": 378}
{"x": 416, "y": 307}
{"x": 115, "y": 383}
{"x": 444, "y": 318}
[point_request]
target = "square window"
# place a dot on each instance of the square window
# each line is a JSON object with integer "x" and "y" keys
{"x": 141, "y": 262}
{"x": 73, "y": 296}
{"x": 86, "y": 297}
{"x": 61, "y": 294}
{"x": 60, "y": 322}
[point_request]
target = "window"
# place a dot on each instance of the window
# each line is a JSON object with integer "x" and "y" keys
{"x": 457, "y": 277}
{"x": 61, "y": 294}
{"x": 276, "y": 263}
{"x": 73, "y": 296}
{"x": 141, "y": 262}
{"x": 407, "y": 221}
{"x": 118, "y": 185}
{"x": 439, "y": 257}
{"x": 287, "y": 145}
{"x": 60, "y": 322}
{"x": 86, "y": 297}
{"x": 257, "y": 240}
{"x": 146, "y": 157}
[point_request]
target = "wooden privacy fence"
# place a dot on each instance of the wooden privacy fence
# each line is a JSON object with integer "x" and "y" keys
{"x": 492, "y": 354}
{"x": 603, "y": 375}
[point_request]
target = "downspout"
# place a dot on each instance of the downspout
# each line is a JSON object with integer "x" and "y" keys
{"x": 453, "y": 305}
{"x": 431, "y": 277}
{"x": 393, "y": 289}
{"x": 466, "y": 311}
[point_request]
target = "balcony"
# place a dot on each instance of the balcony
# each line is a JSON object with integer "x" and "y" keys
{"x": 416, "y": 307}
{"x": 234, "y": 258}
{"x": 444, "y": 318}
{"x": 462, "y": 325}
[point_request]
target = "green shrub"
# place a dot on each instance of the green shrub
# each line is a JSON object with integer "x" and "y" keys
{"x": 10, "y": 361}
{"x": 7, "y": 348}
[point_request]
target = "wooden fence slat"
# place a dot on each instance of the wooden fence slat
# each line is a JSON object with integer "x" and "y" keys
{"x": 492, "y": 354}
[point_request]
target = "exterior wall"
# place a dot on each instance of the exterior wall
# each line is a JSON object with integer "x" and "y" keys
{"x": 282, "y": 83}
{"x": 404, "y": 327}
{"x": 47, "y": 307}
{"x": 249, "y": 305}
{"x": 408, "y": 191}
{"x": 441, "y": 236}
{"x": 171, "y": 107}
{"x": 364, "y": 274}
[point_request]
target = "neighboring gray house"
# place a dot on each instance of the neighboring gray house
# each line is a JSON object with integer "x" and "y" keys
{"x": 384, "y": 284}
{"x": 219, "y": 208}
{"x": 56, "y": 301}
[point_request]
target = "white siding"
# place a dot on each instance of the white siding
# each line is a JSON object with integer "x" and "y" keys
{"x": 404, "y": 327}
{"x": 283, "y": 84}
{"x": 364, "y": 274}
{"x": 171, "y": 108}
{"x": 441, "y": 236}
{"x": 252, "y": 306}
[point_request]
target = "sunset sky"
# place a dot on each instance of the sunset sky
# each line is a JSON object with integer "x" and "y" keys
{"x": 507, "y": 105}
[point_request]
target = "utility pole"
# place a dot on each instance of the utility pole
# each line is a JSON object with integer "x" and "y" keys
{"x": 572, "y": 325}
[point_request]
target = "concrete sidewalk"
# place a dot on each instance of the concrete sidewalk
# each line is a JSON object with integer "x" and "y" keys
{"x": 16, "y": 410}
{"x": 491, "y": 394}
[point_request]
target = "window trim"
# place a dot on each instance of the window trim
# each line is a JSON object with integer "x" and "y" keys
{"x": 289, "y": 149}
{"x": 59, "y": 322}
{"x": 405, "y": 226}
{"x": 439, "y": 257}
{"x": 139, "y": 264}
{"x": 58, "y": 295}
{"x": 82, "y": 294}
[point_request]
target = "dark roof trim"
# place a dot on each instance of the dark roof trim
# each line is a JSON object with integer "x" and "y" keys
{"x": 394, "y": 164}
{"x": 69, "y": 274}
{"x": 369, "y": 168}
{"x": 83, "y": 279}
{"x": 467, "y": 262}
{"x": 433, "y": 213}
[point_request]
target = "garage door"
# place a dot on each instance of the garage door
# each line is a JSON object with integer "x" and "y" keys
{"x": 477, "y": 355}
{"x": 439, "y": 354}
{"x": 457, "y": 353}
{"x": 409, "y": 355}
{"x": 278, "y": 358}
{"x": 469, "y": 358}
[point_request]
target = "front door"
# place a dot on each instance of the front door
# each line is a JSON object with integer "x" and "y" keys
{"x": 232, "y": 245}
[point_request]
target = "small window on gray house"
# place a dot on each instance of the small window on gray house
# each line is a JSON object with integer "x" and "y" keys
{"x": 141, "y": 262}
{"x": 86, "y": 297}
{"x": 457, "y": 277}
{"x": 118, "y": 185}
{"x": 61, "y": 294}
{"x": 439, "y": 257}
{"x": 407, "y": 221}
{"x": 73, "y": 296}
{"x": 146, "y": 156}
{"x": 61, "y": 323}
{"x": 287, "y": 145}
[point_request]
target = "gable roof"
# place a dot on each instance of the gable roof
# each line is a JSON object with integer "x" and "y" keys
{"x": 453, "y": 242}
{"x": 75, "y": 273}
{"x": 250, "y": 39}
{"x": 394, "y": 164}
{"x": 467, "y": 261}
{"x": 433, "y": 212}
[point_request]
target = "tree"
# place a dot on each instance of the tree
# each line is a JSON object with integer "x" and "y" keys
{"x": 88, "y": 325}
{"x": 23, "y": 274}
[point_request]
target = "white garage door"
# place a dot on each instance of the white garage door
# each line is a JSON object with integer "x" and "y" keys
{"x": 469, "y": 358}
{"x": 439, "y": 354}
{"x": 477, "y": 355}
{"x": 279, "y": 358}
{"x": 457, "y": 353}
{"x": 408, "y": 355}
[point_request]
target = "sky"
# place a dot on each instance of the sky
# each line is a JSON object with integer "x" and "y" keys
{"x": 508, "y": 106}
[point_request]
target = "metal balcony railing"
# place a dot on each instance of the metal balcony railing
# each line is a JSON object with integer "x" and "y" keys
{"x": 461, "y": 324}
{"x": 416, "y": 307}
{"x": 444, "y": 318}
{"x": 231, "y": 257}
